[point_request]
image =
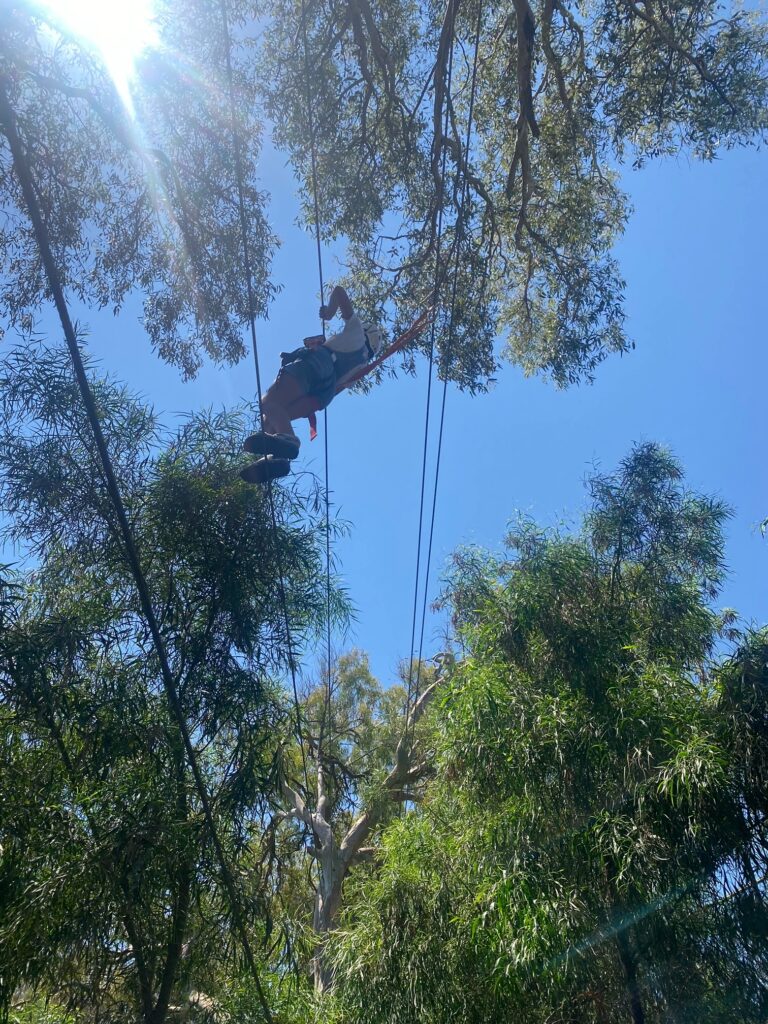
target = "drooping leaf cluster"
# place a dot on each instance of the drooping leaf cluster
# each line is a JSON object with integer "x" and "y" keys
{"x": 143, "y": 203}
{"x": 516, "y": 231}
{"x": 594, "y": 845}
{"x": 562, "y": 93}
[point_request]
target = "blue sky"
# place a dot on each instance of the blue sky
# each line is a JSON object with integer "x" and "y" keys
{"x": 694, "y": 260}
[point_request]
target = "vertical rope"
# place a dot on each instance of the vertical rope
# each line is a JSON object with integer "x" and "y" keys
{"x": 459, "y": 239}
{"x": 240, "y": 174}
{"x": 318, "y": 244}
{"x": 248, "y": 268}
{"x": 435, "y": 303}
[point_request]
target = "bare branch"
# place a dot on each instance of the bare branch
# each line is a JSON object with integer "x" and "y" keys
{"x": 299, "y": 807}
{"x": 406, "y": 796}
{"x": 366, "y": 854}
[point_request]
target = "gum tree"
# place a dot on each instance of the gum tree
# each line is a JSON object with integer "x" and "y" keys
{"x": 565, "y": 95}
{"x": 112, "y": 899}
{"x": 594, "y": 844}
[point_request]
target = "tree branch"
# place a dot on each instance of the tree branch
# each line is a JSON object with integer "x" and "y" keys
{"x": 669, "y": 38}
{"x": 526, "y": 30}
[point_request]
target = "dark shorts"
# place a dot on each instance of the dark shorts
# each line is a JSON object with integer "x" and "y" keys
{"x": 315, "y": 371}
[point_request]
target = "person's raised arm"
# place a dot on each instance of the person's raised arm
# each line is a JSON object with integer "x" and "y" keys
{"x": 339, "y": 302}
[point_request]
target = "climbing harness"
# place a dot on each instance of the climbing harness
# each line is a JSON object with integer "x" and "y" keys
{"x": 355, "y": 376}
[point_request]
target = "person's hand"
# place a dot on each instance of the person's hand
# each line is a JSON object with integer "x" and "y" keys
{"x": 326, "y": 313}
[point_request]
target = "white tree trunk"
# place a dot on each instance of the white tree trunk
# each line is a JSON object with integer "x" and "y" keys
{"x": 334, "y": 860}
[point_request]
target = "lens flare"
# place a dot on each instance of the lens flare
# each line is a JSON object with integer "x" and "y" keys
{"x": 118, "y": 30}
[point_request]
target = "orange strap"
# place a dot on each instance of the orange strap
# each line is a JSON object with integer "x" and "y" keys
{"x": 413, "y": 332}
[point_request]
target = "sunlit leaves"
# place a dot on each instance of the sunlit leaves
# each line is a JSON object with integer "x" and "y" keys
{"x": 598, "y": 812}
{"x": 147, "y": 205}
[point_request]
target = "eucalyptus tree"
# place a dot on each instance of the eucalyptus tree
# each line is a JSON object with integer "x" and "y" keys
{"x": 112, "y": 900}
{"x": 593, "y": 846}
{"x": 139, "y": 201}
{"x": 363, "y": 755}
{"x": 561, "y": 94}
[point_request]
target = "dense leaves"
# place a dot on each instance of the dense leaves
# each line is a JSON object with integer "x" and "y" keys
{"x": 594, "y": 846}
{"x": 112, "y": 898}
{"x": 146, "y": 204}
{"x": 564, "y": 92}
{"x": 517, "y": 233}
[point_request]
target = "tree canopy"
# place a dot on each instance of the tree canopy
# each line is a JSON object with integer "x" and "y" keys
{"x": 564, "y": 94}
{"x": 567, "y": 820}
{"x": 593, "y": 845}
{"x": 528, "y": 214}
{"x": 110, "y": 888}
{"x": 146, "y": 205}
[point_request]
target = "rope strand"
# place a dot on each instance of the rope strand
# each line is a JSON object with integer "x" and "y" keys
{"x": 318, "y": 243}
{"x": 248, "y": 268}
{"x": 459, "y": 239}
{"x": 435, "y": 302}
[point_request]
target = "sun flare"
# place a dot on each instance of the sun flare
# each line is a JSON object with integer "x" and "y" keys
{"x": 119, "y": 30}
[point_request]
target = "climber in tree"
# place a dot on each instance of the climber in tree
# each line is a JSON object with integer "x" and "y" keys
{"x": 306, "y": 382}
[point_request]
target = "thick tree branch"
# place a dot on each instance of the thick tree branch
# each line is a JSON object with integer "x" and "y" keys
{"x": 526, "y": 30}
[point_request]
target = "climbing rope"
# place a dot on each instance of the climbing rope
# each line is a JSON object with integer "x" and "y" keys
{"x": 318, "y": 243}
{"x": 24, "y": 174}
{"x": 248, "y": 268}
{"x": 460, "y": 223}
{"x": 435, "y": 290}
{"x": 435, "y": 302}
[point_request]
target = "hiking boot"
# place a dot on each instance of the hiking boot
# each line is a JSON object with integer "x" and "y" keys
{"x": 263, "y": 470}
{"x": 282, "y": 446}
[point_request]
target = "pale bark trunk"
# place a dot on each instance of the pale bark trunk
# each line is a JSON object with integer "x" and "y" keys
{"x": 334, "y": 859}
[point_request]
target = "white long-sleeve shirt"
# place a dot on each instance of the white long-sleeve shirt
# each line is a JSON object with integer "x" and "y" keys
{"x": 351, "y": 338}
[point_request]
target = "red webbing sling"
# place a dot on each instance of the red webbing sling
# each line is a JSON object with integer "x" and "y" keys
{"x": 413, "y": 331}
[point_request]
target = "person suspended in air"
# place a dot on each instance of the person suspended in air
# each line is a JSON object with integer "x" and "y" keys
{"x": 307, "y": 382}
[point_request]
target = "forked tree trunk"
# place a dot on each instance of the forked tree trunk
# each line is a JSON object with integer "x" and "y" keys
{"x": 335, "y": 859}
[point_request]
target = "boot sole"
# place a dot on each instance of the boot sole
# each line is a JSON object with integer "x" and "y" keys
{"x": 264, "y": 470}
{"x": 268, "y": 444}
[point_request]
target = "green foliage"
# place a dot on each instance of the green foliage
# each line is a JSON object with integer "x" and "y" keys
{"x": 594, "y": 840}
{"x": 358, "y": 731}
{"x": 148, "y": 205}
{"x": 111, "y": 891}
{"x": 41, "y": 1013}
{"x": 564, "y": 92}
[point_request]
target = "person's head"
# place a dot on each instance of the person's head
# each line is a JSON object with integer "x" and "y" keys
{"x": 374, "y": 339}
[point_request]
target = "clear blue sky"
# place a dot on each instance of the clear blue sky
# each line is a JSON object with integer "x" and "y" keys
{"x": 694, "y": 260}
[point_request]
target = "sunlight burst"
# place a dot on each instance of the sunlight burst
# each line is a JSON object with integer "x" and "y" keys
{"x": 119, "y": 31}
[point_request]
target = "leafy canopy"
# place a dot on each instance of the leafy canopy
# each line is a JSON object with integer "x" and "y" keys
{"x": 101, "y": 825}
{"x": 148, "y": 205}
{"x": 564, "y": 95}
{"x": 594, "y": 842}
